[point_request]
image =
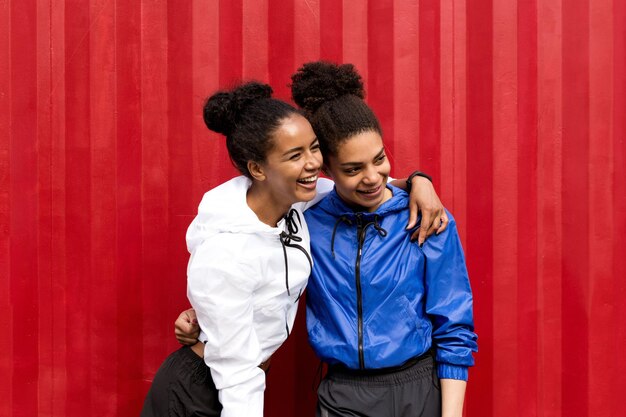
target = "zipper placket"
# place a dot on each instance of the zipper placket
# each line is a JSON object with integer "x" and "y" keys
{"x": 359, "y": 301}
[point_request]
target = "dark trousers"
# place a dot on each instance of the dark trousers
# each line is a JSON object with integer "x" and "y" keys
{"x": 411, "y": 390}
{"x": 182, "y": 387}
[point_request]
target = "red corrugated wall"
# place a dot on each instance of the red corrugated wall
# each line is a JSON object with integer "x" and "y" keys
{"x": 517, "y": 108}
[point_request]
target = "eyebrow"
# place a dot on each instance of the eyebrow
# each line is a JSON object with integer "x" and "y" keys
{"x": 292, "y": 150}
{"x": 299, "y": 148}
{"x": 350, "y": 164}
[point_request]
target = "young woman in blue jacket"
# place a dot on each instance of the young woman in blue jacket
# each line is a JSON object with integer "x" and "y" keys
{"x": 393, "y": 320}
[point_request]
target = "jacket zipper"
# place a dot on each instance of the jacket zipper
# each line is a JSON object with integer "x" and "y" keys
{"x": 359, "y": 300}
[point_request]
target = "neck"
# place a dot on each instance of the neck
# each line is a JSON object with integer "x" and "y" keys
{"x": 266, "y": 208}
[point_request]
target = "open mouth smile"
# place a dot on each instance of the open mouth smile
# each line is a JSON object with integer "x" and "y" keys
{"x": 306, "y": 180}
{"x": 370, "y": 191}
{"x": 371, "y": 194}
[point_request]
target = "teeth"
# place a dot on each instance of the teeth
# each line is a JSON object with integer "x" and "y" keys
{"x": 369, "y": 191}
{"x": 309, "y": 179}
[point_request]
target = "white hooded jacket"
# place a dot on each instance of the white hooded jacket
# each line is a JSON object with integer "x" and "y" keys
{"x": 244, "y": 280}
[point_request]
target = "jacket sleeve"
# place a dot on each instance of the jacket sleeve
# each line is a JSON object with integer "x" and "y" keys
{"x": 220, "y": 287}
{"x": 449, "y": 303}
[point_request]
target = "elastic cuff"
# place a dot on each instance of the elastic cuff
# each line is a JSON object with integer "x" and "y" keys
{"x": 447, "y": 371}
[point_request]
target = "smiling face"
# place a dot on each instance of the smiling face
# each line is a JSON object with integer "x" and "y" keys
{"x": 292, "y": 165}
{"x": 360, "y": 170}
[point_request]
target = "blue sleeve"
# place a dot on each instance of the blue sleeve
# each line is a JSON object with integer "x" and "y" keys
{"x": 449, "y": 303}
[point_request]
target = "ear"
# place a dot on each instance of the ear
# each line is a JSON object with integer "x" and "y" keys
{"x": 256, "y": 170}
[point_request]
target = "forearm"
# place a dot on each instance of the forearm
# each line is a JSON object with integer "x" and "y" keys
{"x": 399, "y": 183}
{"x": 414, "y": 179}
{"x": 452, "y": 397}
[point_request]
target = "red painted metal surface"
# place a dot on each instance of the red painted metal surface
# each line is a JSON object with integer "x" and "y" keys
{"x": 517, "y": 108}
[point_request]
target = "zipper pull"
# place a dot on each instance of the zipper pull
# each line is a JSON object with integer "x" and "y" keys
{"x": 359, "y": 223}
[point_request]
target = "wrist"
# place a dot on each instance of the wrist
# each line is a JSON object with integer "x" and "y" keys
{"x": 415, "y": 174}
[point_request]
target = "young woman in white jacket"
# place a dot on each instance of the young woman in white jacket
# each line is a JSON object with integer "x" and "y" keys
{"x": 250, "y": 257}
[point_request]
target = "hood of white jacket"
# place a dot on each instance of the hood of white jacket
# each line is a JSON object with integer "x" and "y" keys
{"x": 224, "y": 210}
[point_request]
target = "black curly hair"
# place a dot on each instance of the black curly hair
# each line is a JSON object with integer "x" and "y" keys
{"x": 248, "y": 116}
{"x": 332, "y": 98}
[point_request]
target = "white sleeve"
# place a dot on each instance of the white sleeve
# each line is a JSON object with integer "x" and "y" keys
{"x": 324, "y": 186}
{"x": 220, "y": 287}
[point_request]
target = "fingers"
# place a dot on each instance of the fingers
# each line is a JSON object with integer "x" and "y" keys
{"x": 186, "y": 328}
{"x": 424, "y": 198}
{"x": 428, "y": 227}
{"x": 187, "y": 336}
{"x": 434, "y": 225}
{"x": 425, "y": 227}
{"x": 413, "y": 214}
{"x": 444, "y": 223}
{"x": 189, "y": 315}
{"x": 439, "y": 223}
{"x": 187, "y": 341}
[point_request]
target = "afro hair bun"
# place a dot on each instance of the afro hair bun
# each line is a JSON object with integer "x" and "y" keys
{"x": 318, "y": 82}
{"x": 223, "y": 109}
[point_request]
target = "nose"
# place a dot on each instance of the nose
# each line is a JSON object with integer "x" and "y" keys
{"x": 313, "y": 161}
{"x": 370, "y": 175}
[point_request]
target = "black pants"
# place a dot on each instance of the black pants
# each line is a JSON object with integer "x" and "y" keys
{"x": 411, "y": 390}
{"x": 182, "y": 387}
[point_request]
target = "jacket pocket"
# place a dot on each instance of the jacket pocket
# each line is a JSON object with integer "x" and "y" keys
{"x": 392, "y": 334}
{"x": 271, "y": 323}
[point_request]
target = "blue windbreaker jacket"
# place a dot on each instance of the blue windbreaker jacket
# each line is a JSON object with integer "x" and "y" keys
{"x": 375, "y": 299}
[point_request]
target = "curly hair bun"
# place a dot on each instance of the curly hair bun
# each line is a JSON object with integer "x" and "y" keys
{"x": 318, "y": 82}
{"x": 223, "y": 109}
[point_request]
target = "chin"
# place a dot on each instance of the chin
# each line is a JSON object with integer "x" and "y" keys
{"x": 363, "y": 205}
{"x": 303, "y": 196}
{"x": 369, "y": 205}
